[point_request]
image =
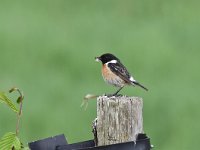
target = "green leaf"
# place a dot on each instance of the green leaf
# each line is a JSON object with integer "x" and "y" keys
{"x": 19, "y": 100}
{"x": 7, "y": 101}
{"x": 10, "y": 141}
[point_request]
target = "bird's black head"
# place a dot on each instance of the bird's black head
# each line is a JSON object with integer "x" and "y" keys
{"x": 106, "y": 58}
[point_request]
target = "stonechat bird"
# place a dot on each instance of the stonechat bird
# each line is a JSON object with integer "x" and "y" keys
{"x": 115, "y": 73}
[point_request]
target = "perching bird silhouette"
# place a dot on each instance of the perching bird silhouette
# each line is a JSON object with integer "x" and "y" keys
{"x": 115, "y": 73}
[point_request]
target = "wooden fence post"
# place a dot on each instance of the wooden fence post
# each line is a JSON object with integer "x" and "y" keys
{"x": 119, "y": 119}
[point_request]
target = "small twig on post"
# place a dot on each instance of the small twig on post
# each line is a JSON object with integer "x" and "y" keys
{"x": 86, "y": 98}
{"x": 119, "y": 119}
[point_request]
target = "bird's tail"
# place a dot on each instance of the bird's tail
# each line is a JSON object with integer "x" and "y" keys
{"x": 138, "y": 84}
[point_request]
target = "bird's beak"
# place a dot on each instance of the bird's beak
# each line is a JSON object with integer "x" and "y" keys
{"x": 98, "y": 59}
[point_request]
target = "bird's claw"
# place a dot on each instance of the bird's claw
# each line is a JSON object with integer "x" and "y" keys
{"x": 115, "y": 95}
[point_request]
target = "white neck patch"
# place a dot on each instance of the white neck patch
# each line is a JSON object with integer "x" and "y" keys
{"x": 112, "y": 62}
{"x": 132, "y": 79}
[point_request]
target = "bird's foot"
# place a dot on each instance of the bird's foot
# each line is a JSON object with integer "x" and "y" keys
{"x": 108, "y": 95}
{"x": 117, "y": 95}
{"x": 111, "y": 95}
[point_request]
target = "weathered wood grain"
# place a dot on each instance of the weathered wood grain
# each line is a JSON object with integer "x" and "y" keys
{"x": 119, "y": 119}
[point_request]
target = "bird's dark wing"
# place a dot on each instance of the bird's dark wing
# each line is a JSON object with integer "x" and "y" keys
{"x": 120, "y": 70}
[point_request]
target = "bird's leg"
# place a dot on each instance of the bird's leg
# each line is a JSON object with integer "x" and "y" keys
{"x": 116, "y": 93}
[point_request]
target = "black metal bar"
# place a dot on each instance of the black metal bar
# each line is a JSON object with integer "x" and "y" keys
{"x": 142, "y": 143}
{"x": 59, "y": 143}
{"x": 49, "y": 143}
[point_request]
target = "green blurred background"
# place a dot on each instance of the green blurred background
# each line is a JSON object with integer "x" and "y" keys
{"x": 47, "y": 49}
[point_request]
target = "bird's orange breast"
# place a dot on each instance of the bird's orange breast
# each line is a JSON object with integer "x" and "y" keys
{"x": 111, "y": 78}
{"x": 107, "y": 73}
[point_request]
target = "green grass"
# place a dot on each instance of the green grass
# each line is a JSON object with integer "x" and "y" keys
{"x": 47, "y": 49}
